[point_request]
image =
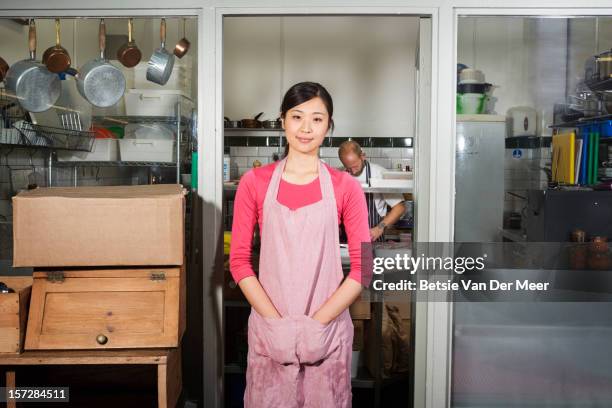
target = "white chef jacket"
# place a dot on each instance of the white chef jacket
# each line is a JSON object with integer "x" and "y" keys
{"x": 380, "y": 200}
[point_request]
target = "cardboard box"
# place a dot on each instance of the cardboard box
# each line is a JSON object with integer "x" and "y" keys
{"x": 404, "y": 308}
{"x": 360, "y": 309}
{"x": 358, "y": 335}
{"x": 14, "y": 313}
{"x": 99, "y": 226}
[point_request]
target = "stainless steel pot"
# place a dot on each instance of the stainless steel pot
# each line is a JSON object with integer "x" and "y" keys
{"x": 30, "y": 82}
{"x": 161, "y": 63}
{"x": 272, "y": 124}
{"x": 604, "y": 65}
{"x": 99, "y": 81}
{"x": 230, "y": 124}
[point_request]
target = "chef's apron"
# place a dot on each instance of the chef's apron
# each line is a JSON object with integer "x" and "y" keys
{"x": 296, "y": 361}
{"x": 374, "y": 217}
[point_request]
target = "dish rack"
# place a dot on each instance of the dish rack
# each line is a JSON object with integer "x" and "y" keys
{"x": 16, "y": 130}
{"x": 53, "y": 138}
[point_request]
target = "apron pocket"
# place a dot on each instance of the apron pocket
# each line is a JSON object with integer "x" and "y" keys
{"x": 316, "y": 341}
{"x": 273, "y": 338}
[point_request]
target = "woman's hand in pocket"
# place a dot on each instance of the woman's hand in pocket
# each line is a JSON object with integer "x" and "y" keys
{"x": 315, "y": 339}
{"x": 275, "y": 338}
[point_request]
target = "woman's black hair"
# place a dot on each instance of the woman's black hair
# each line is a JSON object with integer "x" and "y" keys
{"x": 303, "y": 92}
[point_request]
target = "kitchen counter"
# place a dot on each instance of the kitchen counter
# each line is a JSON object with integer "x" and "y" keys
{"x": 381, "y": 190}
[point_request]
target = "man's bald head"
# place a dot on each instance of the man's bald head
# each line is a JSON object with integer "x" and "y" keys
{"x": 352, "y": 157}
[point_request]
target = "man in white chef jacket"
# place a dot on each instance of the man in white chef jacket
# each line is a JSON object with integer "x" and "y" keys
{"x": 379, "y": 214}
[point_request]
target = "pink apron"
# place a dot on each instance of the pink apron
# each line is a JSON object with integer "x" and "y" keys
{"x": 295, "y": 361}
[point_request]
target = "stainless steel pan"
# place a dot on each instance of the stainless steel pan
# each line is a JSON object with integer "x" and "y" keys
{"x": 30, "y": 82}
{"x": 99, "y": 81}
{"x": 161, "y": 63}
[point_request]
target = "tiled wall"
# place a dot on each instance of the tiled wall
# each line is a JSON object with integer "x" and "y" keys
{"x": 389, "y": 157}
{"x": 19, "y": 166}
{"x": 522, "y": 172}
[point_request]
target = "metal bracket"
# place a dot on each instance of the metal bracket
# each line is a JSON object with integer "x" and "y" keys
{"x": 158, "y": 276}
{"x": 55, "y": 276}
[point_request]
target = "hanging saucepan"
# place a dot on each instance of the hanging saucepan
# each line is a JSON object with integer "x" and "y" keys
{"x": 129, "y": 54}
{"x": 99, "y": 81}
{"x": 252, "y": 123}
{"x": 3, "y": 69}
{"x": 30, "y": 82}
{"x": 604, "y": 64}
{"x": 56, "y": 58}
{"x": 181, "y": 48}
{"x": 161, "y": 62}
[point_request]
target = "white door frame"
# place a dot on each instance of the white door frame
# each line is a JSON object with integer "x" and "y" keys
{"x": 440, "y": 322}
{"x": 422, "y": 177}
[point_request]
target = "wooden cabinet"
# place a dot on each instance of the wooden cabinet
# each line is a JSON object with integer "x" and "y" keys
{"x": 14, "y": 312}
{"x": 102, "y": 309}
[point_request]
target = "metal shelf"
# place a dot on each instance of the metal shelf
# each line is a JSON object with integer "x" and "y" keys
{"x": 126, "y": 120}
{"x": 112, "y": 164}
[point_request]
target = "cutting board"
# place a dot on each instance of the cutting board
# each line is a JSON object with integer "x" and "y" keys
{"x": 563, "y": 146}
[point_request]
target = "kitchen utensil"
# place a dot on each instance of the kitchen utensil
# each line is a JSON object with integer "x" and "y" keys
{"x": 56, "y": 58}
{"x": 252, "y": 123}
{"x": 471, "y": 76}
{"x": 230, "y": 124}
{"x": 129, "y": 54}
{"x": 71, "y": 101}
{"x": 272, "y": 124}
{"x": 473, "y": 88}
{"x": 604, "y": 65}
{"x": 471, "y": 103}
{"x": 181, "y": 48}
{"x": 522, "y": 121}
{"x": 161, "y": 62}
{"x": 564, "y": 146}
{"x": 3, "y": 69}
{"x": 30, "y": 82}
{"x": 100, "y": 82}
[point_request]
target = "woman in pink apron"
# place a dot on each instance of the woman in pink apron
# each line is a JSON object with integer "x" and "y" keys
{"x": 300, "y": 332}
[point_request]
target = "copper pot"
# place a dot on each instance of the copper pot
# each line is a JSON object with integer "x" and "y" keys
{"x": 4, "y": 67}
{"x": 129, "y": 54}
{"x": 181, "y": 48}
{"x": 56, "y": 58}
{"x": 252, "y": 123}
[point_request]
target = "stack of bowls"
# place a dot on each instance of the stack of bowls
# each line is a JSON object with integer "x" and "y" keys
{"x": 472, "y": 92}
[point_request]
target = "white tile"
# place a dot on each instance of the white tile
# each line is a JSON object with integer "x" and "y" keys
{"x": 390, "y": 152}
{"x": 407, "y": 152}
{"x": 268, "y": 151}
{"x": 331, "y": 152}
{"x": 242, "y": 170}
{"x": 386, "y": 163}
{"x": 246, "y": 151}
{"x": 239, "y": 161}
{"x": 334, "y": 162}
{"x": 372, "y": 152}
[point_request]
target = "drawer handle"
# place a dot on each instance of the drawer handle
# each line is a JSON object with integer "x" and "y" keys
{"x": 102, "y": 339}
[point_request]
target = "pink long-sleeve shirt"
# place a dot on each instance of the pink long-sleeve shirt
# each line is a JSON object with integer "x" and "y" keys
{"x": 248, "y": 209}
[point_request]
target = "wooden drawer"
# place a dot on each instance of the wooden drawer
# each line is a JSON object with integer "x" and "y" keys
{"x": 14, "y": 313}
{"x": 102, "y": 309}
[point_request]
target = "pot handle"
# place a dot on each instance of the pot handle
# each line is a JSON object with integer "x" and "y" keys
{"x": 130, "y": 30}
{"x": 102, "y": 37}
{"x": 32, "y": 39}
{"x": 258, "y": 115}
{"x": 57, "y": 32}
{"x": 162, "y": 32}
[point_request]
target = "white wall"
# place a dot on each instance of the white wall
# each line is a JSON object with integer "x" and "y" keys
{"x": 366, "y": 63}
